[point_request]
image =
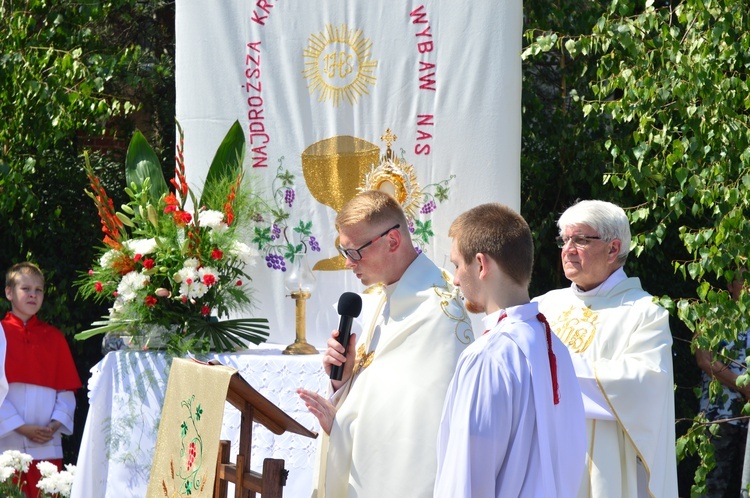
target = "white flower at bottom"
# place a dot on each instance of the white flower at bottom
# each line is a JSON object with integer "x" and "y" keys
{"x": 47, "y": 468}
{"x": 6, "y": 473}
{"x": 16, "y": 459}
{"x": 64, "y": 481}
{"x": 54, "y": 481}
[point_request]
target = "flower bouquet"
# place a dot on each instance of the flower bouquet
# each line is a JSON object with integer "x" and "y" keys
{"x": 171, "y": 271}
{"x": 54, "y": 483}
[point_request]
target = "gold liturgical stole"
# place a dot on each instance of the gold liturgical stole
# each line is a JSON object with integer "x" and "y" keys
{"x": 187, "y": 445}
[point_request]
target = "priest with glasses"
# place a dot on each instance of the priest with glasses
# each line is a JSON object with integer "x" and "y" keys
{"x": 380, "y": 423}
{"x": 621, "y": 348}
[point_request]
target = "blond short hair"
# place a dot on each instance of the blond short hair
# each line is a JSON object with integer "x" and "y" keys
{"x": 374, "y": 208}
{"x": 13, "y": 275}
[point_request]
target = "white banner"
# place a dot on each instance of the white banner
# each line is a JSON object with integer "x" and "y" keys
{"x": 316, "y": 84}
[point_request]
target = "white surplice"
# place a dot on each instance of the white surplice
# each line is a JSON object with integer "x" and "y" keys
{"x": 622, "y": 350}
{"x": 382, "y": 443}
{"x": 31, "y": 404}
{"x": 501, "y": 434}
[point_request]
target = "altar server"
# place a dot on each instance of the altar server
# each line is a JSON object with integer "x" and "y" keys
{"x": 41, "y": 376}
{"x": 513, "y": 423}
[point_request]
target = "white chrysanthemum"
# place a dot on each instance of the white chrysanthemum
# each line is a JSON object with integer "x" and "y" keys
{"x": 130, "y": 284}
{"x": 193, "y": 290}
{"x": 191, "y": 282}
{"x": 108, "y": 258}
{"x": 58, "y": 483}
{"x": 248, "y": 255}
{"x": 187, "y": 275}
{"x": 46, "y": 468}
{"x": 6, "y": 473}
{"x": 16, "y": 460}
{"x": 49, "y": 484}
{"x": 141, "y": 246}
{"x": 211, "y": 218}
{"x": 65, "y": 485}
{"x": 191, "y": 263}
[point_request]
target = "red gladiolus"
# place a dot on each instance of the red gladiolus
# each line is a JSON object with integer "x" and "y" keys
{"x": 182, "y": 218}
{"x": 98, "y": 287}
{"x": 111, "y": 224}
{"x": 150, "y": 301}
{"x": 149, "y": 264}
{"x": 172, "y": 203}
{"x": 171, "y": 200}
{"x": 217, "y": 254}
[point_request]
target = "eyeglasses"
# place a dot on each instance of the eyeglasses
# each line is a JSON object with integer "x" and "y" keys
{"x": 355, "y": 254}
{"x": 578, "y": 241}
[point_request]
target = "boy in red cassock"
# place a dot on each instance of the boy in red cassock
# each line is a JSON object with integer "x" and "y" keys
{"x": 41, "y": 376}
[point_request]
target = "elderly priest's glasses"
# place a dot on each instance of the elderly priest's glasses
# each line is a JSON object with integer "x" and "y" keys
{"x": 355, "y": 254}
{"x": 578, "y": 241}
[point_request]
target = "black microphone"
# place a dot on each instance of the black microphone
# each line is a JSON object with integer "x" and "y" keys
{"x": 350, "y": 306}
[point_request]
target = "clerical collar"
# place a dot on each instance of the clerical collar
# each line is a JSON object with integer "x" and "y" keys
{"x": 617, "y": 276}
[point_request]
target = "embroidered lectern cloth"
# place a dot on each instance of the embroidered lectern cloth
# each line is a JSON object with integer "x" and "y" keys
{"x": 187, "y": 444}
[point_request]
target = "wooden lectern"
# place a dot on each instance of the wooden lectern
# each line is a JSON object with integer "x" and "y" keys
{"x": 253, "y": 407}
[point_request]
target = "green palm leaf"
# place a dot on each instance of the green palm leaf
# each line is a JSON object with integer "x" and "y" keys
{"x": 228, "y": 335}
{"x": 141, "y": 163}
{"x": 227, "y": 162}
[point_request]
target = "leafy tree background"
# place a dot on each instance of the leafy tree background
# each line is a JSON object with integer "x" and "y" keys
{"x": 641, "y": 104}
{"x": 75, "y": 75}
{"x": 667, "y": 83}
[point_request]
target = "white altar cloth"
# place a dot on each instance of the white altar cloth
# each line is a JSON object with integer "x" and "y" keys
{"x": 126, "y": 393}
